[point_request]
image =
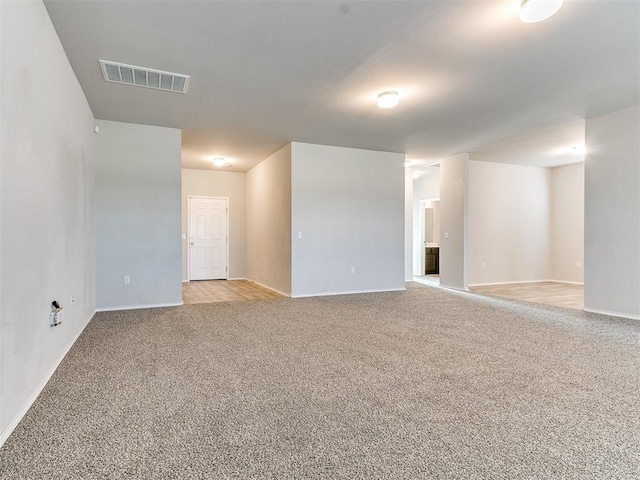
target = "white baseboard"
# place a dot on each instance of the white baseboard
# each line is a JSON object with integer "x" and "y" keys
{"x": 612, "y": 314}
{"x": 351, "y": 292}
{"x": 185, "y": 281}
{"x": 137, "y": 307}
{"x": 521, "y": 281}
{"x": 23, "y": 411}
{"x": 240, "y": 278}
{"x": 268, "y": 287}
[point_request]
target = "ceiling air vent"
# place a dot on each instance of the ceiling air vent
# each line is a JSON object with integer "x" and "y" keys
{"x": 144, "y": 77}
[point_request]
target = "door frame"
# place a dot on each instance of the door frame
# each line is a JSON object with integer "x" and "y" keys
{"x": 189, "y": 197}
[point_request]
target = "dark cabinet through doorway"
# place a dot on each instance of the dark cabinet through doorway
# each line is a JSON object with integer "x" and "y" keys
{"x": 431, "y": 260}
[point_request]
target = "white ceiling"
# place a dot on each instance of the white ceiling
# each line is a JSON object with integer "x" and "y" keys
{"x": 545, "y": 147}
{"x": 264, "y": 73}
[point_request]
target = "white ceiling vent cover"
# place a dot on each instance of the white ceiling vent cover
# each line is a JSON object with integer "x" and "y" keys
{"x": 144, "y": 77}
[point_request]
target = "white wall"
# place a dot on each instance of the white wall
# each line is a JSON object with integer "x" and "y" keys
{"x": 349, "y": 205}
{"x": 425, "y": 187}
{"x": 509, "y": 221}
{"x": 567, "y": 223}
{"x": 138, "y": 221}
{"x": 269, "y": 222}
{"x": 47, "y": 157}
{"x": 453, "y": 221}
{"x": 612, "y": 213}
{"x": 211, "y": 183}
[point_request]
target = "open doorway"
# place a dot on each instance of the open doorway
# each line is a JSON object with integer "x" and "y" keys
{"x": 426, "y": 224}
{"x": 429, "y": 241}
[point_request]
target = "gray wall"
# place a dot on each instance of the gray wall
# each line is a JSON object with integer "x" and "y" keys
{"x": 509, "y": 223}
{"x": 612, "y": 213}
{"x": 349, "y": 205}
{"x": 567, "y": 223}
{"x": 211, "y": 183}
{"x": 138, "y": 217}
{"x": 46, "y": 208}
{"x": 269, "y": 222}
{"x": 453, "y": 221}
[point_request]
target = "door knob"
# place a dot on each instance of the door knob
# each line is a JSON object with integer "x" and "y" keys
{"x": 191, "y": 243}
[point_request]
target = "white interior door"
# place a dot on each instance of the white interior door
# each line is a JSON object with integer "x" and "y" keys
{"x": 208, "y": 238}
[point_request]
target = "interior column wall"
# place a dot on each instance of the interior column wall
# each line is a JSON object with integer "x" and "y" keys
{"x": 612, "y": 213}
{"x": 453, "y": 221}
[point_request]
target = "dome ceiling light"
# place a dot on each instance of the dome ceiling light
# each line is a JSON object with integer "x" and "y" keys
{"x": 388, "y": 99}
{"x": 532, "y": 11}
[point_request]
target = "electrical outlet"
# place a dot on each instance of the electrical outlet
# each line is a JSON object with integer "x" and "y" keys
{"x": 353, "y": 269}
{"x": 257, "y": 264}
{"x": 483, "y": 265}
{"x": 72, "y": 302}
{"x": 446, "y": 235}
{"x": 127, "y": 279}
{"x": 578, "y": 265}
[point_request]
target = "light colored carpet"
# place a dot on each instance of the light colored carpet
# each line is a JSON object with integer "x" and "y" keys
{"x": 425, "y": 383}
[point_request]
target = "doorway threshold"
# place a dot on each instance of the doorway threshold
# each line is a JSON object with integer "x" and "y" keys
{"x": 431, "y": 280}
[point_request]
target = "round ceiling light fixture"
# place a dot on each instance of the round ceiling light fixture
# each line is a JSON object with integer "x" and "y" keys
{"x": 532, "y": 11}
{"x": 388, "y": 99}
{"x": 219, "y": 162}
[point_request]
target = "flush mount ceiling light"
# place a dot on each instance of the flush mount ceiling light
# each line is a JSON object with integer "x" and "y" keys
{"x": 144, "y": 77}
{"x": 219, "y": 162}
{"x": 532, "y": 11}
{"x": 388, "y": 99}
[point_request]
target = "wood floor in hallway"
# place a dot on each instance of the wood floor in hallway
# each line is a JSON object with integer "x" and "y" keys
{"x": 558, "y": 294}
{"x": 212, "y": 291}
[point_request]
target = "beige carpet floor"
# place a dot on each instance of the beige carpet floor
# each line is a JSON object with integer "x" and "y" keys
{"x": 420, "y": 384}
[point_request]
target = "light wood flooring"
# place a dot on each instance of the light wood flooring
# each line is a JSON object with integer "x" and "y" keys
{"x": 212, "y": 291}
{"x": 548, "y": 293}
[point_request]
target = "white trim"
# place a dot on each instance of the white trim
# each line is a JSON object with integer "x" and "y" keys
{"x": 568, "y": 282}
{"x": 137, "y": 307}
{"x": 34, "y": 396}
{"x": 189, "y": 197}
{"x": 353, "y": 292}
{"x": 520, "y": 282}
{"x": 268, "y": 287}
{"x": 185, "y": 281}
{"x": 241, "y": 278}
{"x": 612, "y": 314}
